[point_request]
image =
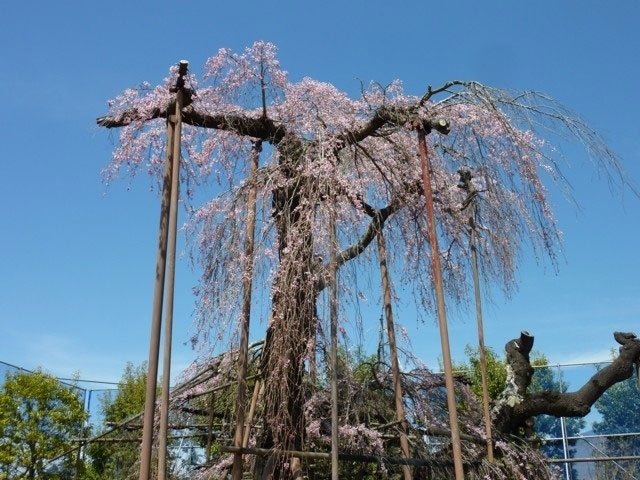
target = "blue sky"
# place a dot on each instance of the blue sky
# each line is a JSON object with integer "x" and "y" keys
{"x": 77, "y": 259}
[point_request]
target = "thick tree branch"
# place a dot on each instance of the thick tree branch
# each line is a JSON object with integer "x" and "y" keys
{"x": 386, "y": 115}
{"x": 515, "y": 406}
{"x": 374, "y": 227}
{"x": 261, "y": 128}
{"x": 128, "y": 117}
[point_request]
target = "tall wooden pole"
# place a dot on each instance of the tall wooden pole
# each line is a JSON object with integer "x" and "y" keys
{"x": 176, "y": 119}
{"x": 156, "y": 316}
{"x": 393, "y": 351}
{"x": 481, "y": 347}
{"x": 440, "y": 304}
{"x": 236, "y": 471}
{"x": 333, "y": 315}
{"x": 154, "y": 343}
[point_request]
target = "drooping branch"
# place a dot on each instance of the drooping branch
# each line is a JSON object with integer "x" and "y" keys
{"x": 515, "y": 407}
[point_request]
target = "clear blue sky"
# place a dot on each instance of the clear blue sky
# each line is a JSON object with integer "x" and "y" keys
{"x": 77, "y": 260}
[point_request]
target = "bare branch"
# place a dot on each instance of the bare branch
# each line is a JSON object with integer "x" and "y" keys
{"x": 355, "y": 249}
{"x": 431, "y": 92}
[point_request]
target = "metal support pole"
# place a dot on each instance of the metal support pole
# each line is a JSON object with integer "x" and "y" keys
{"x": 171, "y": 273}
{"x": 565, "y": 448}
{"x": 156, "y": 316}
{"x": 236, "y": 471}
{"x": 393, "y": 351}
{"x": 481, "y": 347}
{"x": 442, "y": 315}
{"x": 333, "y": 314}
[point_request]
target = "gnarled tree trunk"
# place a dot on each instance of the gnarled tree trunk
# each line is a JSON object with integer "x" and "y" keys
{"x": 515, "y": 406}
{"x": 293, "y": 314}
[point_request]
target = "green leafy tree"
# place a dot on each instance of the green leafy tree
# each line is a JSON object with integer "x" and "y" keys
{"x": 496, "y": 371}
{"x": 115, "y": 460}
{"x": 39, "y": 417}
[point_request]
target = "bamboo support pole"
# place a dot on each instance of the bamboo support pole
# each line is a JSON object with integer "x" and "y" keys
{"x": 137, "y": 440}
{"x": 212, "y": 411}
{"x": 217, "y": 389}
{"x": 440, "y": 303}
{"x": 156, "y": 316}
{"x": 236, "y": 471}
{"x": 258, "y": 391}
{"x": 333, "y": 314}
{"x": 171, "y": 274}
{"x": 350, "y": 457}
{"x": 393, "y": 351}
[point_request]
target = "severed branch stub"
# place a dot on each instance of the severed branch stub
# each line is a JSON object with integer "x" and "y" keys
{"x": 515, "y": 406}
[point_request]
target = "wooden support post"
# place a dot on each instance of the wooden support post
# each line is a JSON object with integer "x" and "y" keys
{"x": 440, "y": 304}
{"x": 469, "y": 204}
{"x": 393, "y": 351}
{"x": 171, "y": 274}
{"x": 236, "y": 471}
{"x": 156, "y": 315}
{"x": 258, "y": 391}
{"x": 481, "y": 347}
{"x": 212, "y": 411}
{"x": 333, "y": 315}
